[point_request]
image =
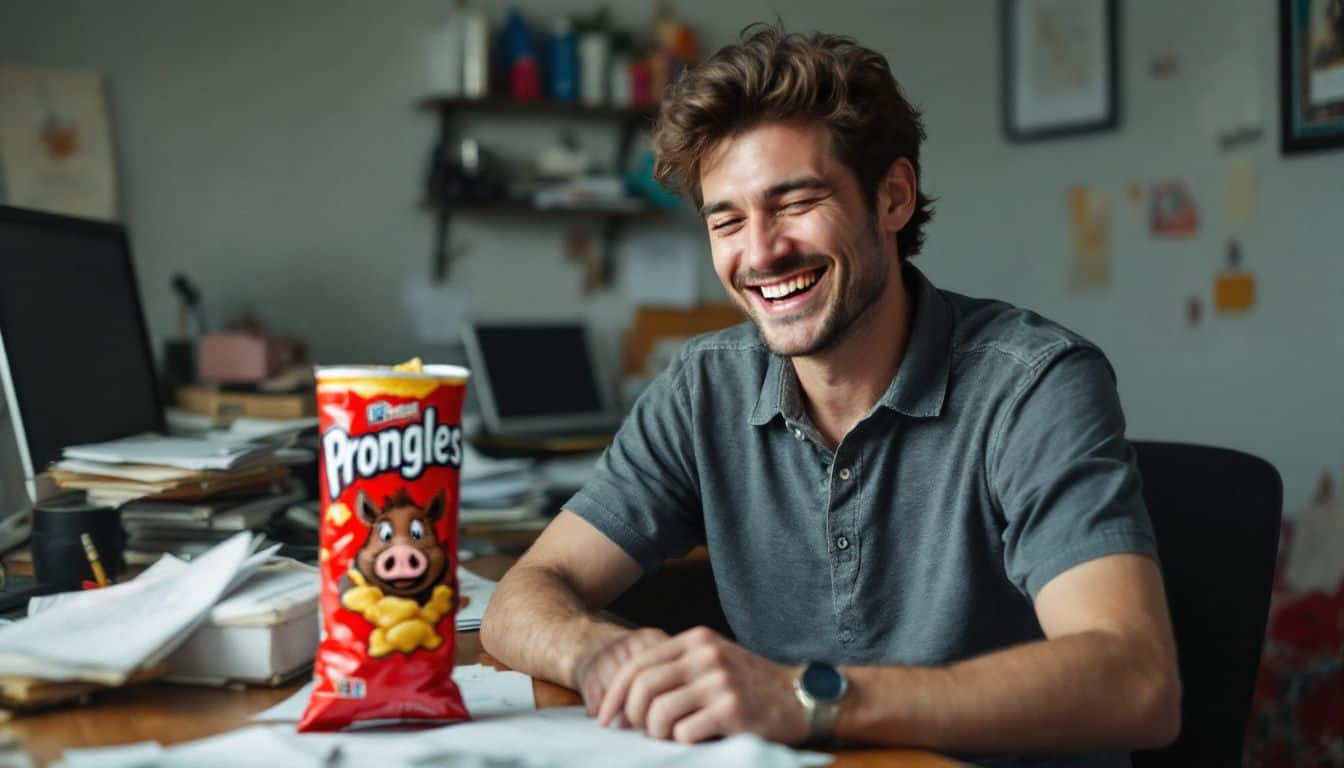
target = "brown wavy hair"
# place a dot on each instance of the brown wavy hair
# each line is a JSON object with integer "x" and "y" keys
{"x": 771, "y": 75}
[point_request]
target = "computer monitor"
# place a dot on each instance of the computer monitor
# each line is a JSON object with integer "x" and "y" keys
{"x": 74, "y": 355}
{"x": 537, "y": 378}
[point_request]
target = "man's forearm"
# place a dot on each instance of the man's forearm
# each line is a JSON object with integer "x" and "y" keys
{"x": 537, "y": 624}
{"x": 1081, "y": 692}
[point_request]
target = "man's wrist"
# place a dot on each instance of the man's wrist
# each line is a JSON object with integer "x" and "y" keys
{"x": 820, "y": 688}
{"x": 593, "y": 635}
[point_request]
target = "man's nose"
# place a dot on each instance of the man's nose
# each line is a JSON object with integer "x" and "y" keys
{"x": 766, "y": 243}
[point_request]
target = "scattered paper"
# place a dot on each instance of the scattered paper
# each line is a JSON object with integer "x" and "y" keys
{"x": 548, "y": 737}
{"x": 1172, "y": 211}
{"x": 144, "y": 753}
{"x": 479, "y": 590}
{"x": 1239, "y": 193}
{"x": 486, "y": 691}
{"x": 180, "y": 452}
{"x": 661, "y": 271}
{"x": 1090, "y": 222}
{"x": 105, "y": 635}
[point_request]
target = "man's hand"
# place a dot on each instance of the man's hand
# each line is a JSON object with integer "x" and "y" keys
{"x": 698, "y": 686}
{"x": 594, "y": 674}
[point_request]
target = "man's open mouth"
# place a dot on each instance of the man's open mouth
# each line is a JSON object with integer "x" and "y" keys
{"x": 791, "y": 287}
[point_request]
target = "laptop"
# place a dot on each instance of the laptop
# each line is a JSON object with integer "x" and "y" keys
{"x": 75, "y": 360}
{"x": 538, "y": 380}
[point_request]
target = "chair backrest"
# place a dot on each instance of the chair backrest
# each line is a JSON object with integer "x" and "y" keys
{"x": 1216, "y": 515}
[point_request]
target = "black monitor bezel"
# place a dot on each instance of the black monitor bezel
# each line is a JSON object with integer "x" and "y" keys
{"x": 100, "y": 229}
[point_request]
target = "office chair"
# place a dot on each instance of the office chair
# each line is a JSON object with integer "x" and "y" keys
{"x": 1216, "y": 516}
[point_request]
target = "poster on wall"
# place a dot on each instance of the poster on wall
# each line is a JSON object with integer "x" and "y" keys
{"x": 1090, "y": 226}
{"x": 55, "y": 142}
{"x": 1311, "y": 74}
{"x": 1059, "y": 67}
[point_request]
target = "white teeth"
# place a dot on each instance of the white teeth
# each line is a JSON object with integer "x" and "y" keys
{"x": 784, "y": 288}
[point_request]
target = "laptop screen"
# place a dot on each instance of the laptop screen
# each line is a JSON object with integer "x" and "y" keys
{"x": 536, "y": 377}
{"x": 76, "y": 358}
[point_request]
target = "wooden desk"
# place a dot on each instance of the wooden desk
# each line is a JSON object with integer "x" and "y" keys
{"x": 171, "y": 714}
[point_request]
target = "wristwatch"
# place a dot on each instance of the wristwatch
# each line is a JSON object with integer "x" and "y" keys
{"x": 819, "y": 687}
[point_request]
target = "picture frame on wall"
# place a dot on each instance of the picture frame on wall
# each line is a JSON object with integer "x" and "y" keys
{"x": 1061, "y": 74}
{"x": 1311, "y": 74}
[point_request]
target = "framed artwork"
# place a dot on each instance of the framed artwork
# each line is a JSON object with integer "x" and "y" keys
{"x": 1311, "y": 72}
{"x": 56, "y": 142}
{"x": 1060, "y": 67}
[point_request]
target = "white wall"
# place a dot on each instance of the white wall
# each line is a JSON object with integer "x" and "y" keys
{"x": 271, "y": 150}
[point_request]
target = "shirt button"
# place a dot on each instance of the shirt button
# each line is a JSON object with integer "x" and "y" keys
{"x": 841, "y": 542}
{"x": 844, "y": 473}
{"x": 798, "y": 433}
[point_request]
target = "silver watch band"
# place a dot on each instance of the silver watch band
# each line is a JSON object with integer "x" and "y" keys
{"x": 821, "y": 717}
{"x": 821, "y": 713}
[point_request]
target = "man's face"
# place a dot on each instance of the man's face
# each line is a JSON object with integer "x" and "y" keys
{"x": 792, "y": 239}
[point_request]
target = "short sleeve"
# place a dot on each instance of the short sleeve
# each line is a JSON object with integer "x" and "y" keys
{"x": 1063, "y": 474}
{"x": 644, "y": 491}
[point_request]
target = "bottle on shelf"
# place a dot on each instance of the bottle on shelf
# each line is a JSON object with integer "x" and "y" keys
{"x": 476, "y": 55}
{"x": 564, "y": 66}
{"x": 446, "y": 54}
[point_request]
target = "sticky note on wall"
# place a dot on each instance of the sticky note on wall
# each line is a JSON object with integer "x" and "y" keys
{"x": 1234, "y": 292}
{"x": 1234, "y": 288}
{"x": 1239, "y": 193}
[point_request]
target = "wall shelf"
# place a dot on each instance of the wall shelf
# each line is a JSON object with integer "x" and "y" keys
{"x": 630, "y": 120}
{"x": 505, "y": 106}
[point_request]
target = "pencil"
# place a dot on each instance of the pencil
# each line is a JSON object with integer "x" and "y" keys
{"x": 91, "y": 552}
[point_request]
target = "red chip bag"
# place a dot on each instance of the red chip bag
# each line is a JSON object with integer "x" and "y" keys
{"x": 391, "y": 449}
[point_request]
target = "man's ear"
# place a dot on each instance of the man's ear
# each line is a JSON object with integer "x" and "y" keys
{"x": 365, "y": 508}
{"x": 897, "y": 196}
{"x": 434, "y": 509}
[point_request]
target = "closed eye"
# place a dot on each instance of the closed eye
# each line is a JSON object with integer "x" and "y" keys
{"x": 799, "y": 206}
{"x": 724, "y": 225}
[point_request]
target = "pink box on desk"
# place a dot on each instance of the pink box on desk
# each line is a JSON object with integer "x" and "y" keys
{"x": 232, "y": 357}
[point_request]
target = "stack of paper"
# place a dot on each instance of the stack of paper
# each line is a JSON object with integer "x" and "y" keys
{"x": 264, "y": 631}
{"x": 495, "y": 490}
{"x": 166, "y": 468}
{"x": 180, "y": 452}
{"x": 107, "y": 635}
{"x": 479, "y": 591}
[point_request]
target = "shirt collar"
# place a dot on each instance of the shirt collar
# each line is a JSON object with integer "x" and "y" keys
{"x": 920, "y": 385}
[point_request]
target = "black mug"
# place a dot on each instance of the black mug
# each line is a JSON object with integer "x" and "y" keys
{"x": 59, "y": 557}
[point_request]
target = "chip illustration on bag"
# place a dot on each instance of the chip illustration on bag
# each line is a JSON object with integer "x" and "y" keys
{"x": 391, "y": 448}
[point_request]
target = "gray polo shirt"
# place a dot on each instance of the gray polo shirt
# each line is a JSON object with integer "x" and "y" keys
{"x": 995, "y": 461}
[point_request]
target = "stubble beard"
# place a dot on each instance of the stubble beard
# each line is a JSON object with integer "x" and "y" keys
{"x": 841, "y": 313}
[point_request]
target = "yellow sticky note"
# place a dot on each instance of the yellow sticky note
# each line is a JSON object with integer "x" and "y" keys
{"x": 1239, "y": 192}
{"x": 1090, "y": 222}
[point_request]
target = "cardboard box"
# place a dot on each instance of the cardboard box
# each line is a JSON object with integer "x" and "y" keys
{"x": 238, "y": 357}
{"x": 223, "y": 406}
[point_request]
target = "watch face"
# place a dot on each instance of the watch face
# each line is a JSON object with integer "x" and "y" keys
{"x": 823, "y": 682}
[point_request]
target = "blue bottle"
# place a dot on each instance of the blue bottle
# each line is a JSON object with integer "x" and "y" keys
{"x": 563, "y": 70}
